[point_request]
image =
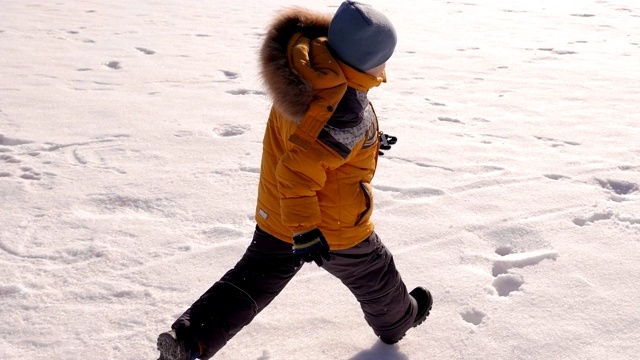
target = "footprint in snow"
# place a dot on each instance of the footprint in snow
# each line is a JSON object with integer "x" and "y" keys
{"x": 7, "y": 156}
{"x": 115, "y": 65}
{"x": 8, "y": 141}
{"x": 145, "y": 51}
{"x": 30, "y": 174}
{"x": 228, "y": 130}
{"x": 10, "y": 159}
{"x": 555, "y": 142}
{"x": 619, "y": 191}
{"x": 505, "y": 281}
{"x": 451, "y": 120}
{"x": 624, "y": 220}
{"x": 556, "y": 176}
{"x": 230, "y": 74}
{"x": 246, "y": 92}
{"x": 473, "y": 316}
{"x": 619, "y": 187}
{"x": 580, "y": 221}
{"x": 509, "y": 255}
{"x": 505, "y": 284}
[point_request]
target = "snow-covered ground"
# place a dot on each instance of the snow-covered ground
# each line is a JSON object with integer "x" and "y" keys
{"x": 130, "y": 142}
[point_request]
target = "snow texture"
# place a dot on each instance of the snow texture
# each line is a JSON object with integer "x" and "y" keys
{"x": 130, "y": 143}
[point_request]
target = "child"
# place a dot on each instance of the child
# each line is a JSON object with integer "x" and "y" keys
{"x": 320, "y": 152}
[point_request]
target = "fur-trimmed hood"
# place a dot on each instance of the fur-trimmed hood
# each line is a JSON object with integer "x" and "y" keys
{"x": 290, "y": 92}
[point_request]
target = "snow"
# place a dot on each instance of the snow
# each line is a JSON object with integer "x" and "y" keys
{"x": 130, "y": 142}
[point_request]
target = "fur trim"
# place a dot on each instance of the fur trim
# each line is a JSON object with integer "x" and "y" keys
{"x": 290, "y": 92}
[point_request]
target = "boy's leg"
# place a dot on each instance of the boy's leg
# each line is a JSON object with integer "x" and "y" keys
{"x": 244, "y": 291}
{"x": 368, "y": 270}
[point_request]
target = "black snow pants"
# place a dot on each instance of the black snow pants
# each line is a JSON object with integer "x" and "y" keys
{"x": 367, "y": 269}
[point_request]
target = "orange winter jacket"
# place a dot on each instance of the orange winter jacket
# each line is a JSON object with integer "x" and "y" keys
{"x": 320, "y": 146}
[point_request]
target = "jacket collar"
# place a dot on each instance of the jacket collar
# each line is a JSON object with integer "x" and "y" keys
{"x": 360, "y": 80}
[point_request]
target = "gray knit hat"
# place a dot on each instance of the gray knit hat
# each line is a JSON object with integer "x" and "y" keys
{"x": 361, "y": 36}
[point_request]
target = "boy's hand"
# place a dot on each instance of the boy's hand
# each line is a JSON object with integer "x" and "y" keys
{"x": 386, "y": 141}
{"x": 310, "y": 246}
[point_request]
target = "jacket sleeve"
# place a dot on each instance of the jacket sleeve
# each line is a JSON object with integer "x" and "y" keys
{"x": 300, "y": 174}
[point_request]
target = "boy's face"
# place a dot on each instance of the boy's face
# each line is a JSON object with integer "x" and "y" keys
{"x": 378, "y": 70}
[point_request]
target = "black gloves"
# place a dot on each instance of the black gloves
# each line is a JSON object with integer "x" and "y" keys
{"x": 386, "y": 141}
{"x": 310, "y": 246}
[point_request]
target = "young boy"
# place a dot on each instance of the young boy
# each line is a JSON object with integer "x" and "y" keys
{"x": 320, "y": 152}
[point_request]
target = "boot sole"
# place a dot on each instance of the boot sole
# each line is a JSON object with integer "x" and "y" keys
{"x": 171, "y": 348}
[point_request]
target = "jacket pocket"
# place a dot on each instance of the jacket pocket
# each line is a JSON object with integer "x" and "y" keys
{"x": 366, "y": 192}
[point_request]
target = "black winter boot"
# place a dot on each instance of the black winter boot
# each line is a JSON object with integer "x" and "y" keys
{"x": 424, "y": 300}
{"x": 172, "y": 348}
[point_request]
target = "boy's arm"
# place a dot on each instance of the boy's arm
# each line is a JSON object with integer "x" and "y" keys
{"x": 300, "y": 174}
